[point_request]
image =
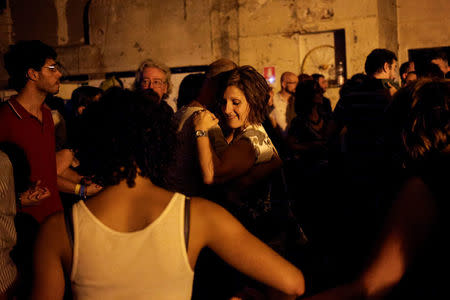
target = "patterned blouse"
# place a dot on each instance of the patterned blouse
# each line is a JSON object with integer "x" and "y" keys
{"x": 260, "y": 142}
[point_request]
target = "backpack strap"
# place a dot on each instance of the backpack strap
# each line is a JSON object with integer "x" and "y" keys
{"x": 187, "y": 216}
{"x": 68, "y": 218}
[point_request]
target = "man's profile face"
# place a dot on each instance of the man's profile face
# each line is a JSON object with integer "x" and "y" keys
{"x": 290, "y": 83}
{"x": 155, "y": 79}
{"x": 48, "y": 77}
{"x": 392, "y": 72}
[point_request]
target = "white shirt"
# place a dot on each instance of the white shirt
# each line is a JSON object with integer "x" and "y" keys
{"x": 151, "y": 263}
{"x": 280, "y": 108}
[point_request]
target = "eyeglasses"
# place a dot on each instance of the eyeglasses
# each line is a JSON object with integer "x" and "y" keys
{"x": 54, "y": 68}
{"x": 155, "y": 82}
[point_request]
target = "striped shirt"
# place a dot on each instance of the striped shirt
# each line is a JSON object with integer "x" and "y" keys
{"x": 8, "y": 235}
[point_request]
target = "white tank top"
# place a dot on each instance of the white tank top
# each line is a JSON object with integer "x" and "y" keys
{"x": 151, "y": 263}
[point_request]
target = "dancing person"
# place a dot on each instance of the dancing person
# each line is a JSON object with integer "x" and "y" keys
{"x": 136, "y": 240}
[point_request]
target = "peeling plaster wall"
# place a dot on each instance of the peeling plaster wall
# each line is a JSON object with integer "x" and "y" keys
{"x": 269, "y": 31}
{"x": 192, "y": 32}
{"x": 55, "y": 22}
{"x": 224, "y": 29}
{"x": 422, "y": 24}
{"x": 5, "y": 39}
{"x": 123, "y": 33}
{"x": 387, "y": 25}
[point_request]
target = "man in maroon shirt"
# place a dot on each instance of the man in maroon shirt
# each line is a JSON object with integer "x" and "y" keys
{"x": 26, "y": 121}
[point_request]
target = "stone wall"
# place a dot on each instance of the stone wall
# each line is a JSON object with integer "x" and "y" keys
{"x": 97, "y": 36}
{"x": 422, "y": 24}
{"x": 5, "y": 39}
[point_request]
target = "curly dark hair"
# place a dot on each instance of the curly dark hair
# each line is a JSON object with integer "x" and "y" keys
{"x": 25, "y": 55}
{"x": 427, "y": 127}
{"x": 122, "y": 134}
{"x": 253, "y": 85}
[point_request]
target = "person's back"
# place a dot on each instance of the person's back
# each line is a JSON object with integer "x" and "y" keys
{"x": 134, "y": 249}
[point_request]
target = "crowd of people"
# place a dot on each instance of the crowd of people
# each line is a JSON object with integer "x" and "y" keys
{"x": 106, "y": 197}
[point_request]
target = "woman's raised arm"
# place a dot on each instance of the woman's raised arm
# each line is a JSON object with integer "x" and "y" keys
{"x": 237, "y": 159}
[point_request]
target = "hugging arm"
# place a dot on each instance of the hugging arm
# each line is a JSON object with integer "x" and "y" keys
{"x": 237, "y": 159}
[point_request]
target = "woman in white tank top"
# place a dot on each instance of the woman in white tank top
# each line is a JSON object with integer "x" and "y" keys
{"x": 136, "y": 240}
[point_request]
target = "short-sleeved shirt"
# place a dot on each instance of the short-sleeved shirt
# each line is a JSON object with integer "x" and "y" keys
{"x": 37, "y": 139}
{"x": 260, "y": 142}
{"x": 283, "y": 112}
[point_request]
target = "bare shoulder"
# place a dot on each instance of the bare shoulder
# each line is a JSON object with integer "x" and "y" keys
{"x": 211, "y": 216}
{"x": 415, "y": 203}
{"x": 213, "y": 219}
{"x": 206, "y": 208}
{"x": 415, "y": 189}
{"x": 415, "y": 183}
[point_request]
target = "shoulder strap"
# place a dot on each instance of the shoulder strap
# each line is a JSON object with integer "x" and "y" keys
{"x": 187, "y": 215}
{"x": 68, "y": 218}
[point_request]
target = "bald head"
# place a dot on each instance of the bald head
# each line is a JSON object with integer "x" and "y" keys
{"x": 289, "y": 82}
{"x": 210, "y": 85}
{"x": 219, "y": 66}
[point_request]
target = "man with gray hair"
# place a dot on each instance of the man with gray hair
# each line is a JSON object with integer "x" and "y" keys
{"x": 155, "y": 76}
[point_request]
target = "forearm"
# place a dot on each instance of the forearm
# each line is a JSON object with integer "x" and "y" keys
{"x": 64, "y": 159}
{"x": 259, "y": 172}
{"x": 65, "y": 185}
{"x": 71, "y": 175}
{"x": 207, "y": 159}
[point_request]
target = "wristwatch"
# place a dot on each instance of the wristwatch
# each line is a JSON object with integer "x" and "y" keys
{"x": 200, "y": 133}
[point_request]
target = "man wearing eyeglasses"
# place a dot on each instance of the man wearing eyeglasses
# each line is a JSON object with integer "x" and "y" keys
{"x": 26, "y": 121}
{"x": 154, "y": 76}
{"x": 283, "y": 111}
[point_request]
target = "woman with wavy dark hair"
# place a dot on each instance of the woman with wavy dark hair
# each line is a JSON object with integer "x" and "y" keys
{"x": 250, "y": 157}
{"x": 250, "y": 166}
{"x": 136, "y": 240}
{"x": 242, "y": 101}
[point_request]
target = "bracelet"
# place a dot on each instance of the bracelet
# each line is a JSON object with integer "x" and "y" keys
{"x": 83, "y": 192}
{"x": 77, "y": 189}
